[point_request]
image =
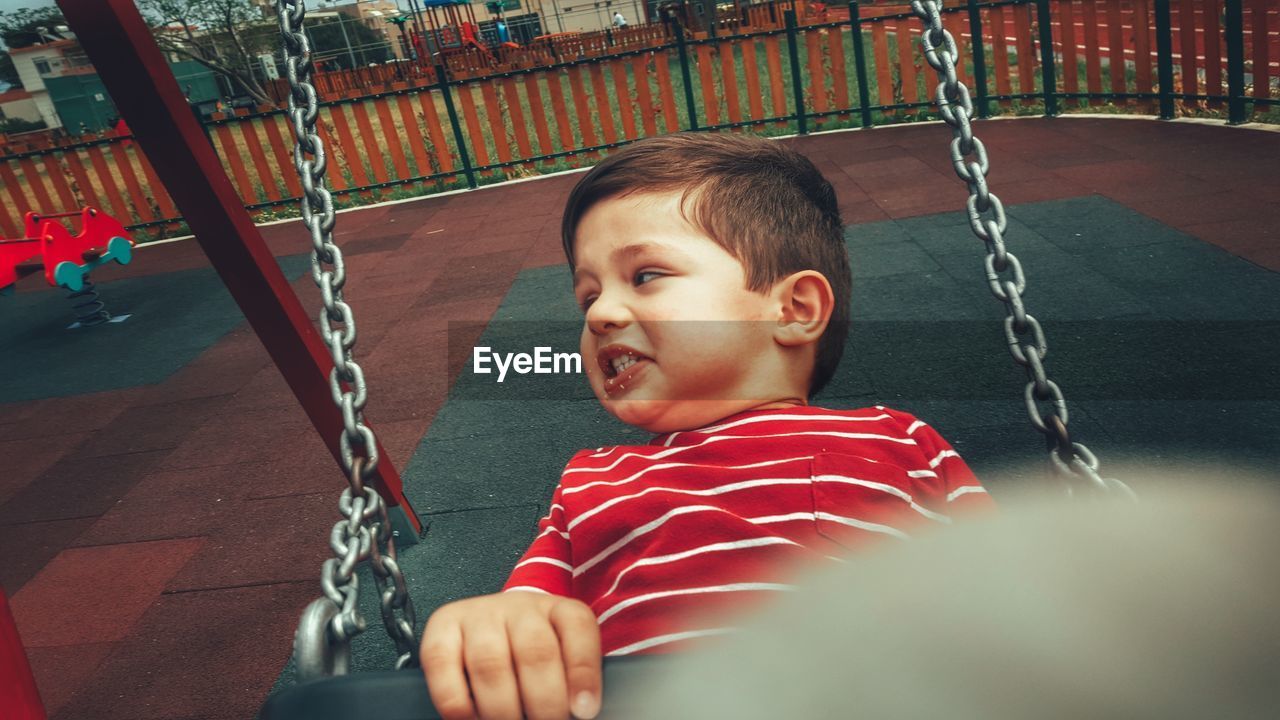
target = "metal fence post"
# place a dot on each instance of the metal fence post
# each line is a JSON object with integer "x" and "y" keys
{"x": 683, "y": 52}
{"x": 860, "y": 63}
{"x": 1164, "y": 58}
{"x": 458, "y": 137}
{"x": 793, "y": 52}
{"x": 1048, "y": 63}
{"x": 1235, "y": 62}
{"x": 979, "y": 59}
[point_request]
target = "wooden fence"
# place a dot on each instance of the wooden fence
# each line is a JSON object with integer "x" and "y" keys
{"x": 403, "y": 139}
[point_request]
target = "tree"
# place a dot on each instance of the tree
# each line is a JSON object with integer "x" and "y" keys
{"x": 225, "y": 36}
{"x": 25, "y": 27}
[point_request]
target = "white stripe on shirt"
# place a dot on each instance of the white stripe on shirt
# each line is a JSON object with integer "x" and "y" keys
{"x": 714, "y": 547}
{"x": 732, "y": 587}
{"x": 668, "y": 466}
{"x": 721, "y": 438}
{"x": 942, "y": 456}
{"x": 549, "y": 561}
{"x": 965, "y": 491}
{"x": 885, "y": 488}
{"x": 664, "y": 639}
{"x": 708, "y": 492}
{"x": 864, "y": 525}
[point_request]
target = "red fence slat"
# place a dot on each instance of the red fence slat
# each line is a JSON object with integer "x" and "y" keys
{"x": 249, "y": 134}
{"x": 729, "y": 79}
{"x": 667, "y": 92}
{"x": 141, "y": 209}
{"x": 644, "y": 97}
{"x": 374, "y": 154}
{"x": 31, "y": 174}
{"x": 281, "y": 150}
{"x": 618, "y": 74}
{"x": 1261, "y": 47}
{"x": 604, "y": 108}
{"x": 534, "y": 94}
{"x": 58, "y": 178}
{"x": 752, "y": 71}
{"x": 231, "y": 158}
{"x": 710, "y": 102}
{"x": 393, "y": 139}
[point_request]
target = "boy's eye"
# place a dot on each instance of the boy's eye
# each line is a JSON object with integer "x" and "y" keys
{"x": 645, "y": 276}
{"x": 586, "y": 302}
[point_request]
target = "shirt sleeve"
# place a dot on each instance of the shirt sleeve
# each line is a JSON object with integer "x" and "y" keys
{"x": 964, "y": 493}
{"x": 545, "y": 567}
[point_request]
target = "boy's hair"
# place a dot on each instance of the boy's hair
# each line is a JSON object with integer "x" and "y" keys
{"x": 765, "y": 204}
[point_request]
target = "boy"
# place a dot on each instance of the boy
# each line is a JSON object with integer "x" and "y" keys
{"x": 714, "y": 281}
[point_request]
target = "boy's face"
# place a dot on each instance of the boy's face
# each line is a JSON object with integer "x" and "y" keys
{"x": 673, "y": 340}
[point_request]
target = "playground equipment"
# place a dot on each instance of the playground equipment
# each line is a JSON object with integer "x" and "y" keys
{"x": 323, "y": 641}
{"x": 67, "y": 259}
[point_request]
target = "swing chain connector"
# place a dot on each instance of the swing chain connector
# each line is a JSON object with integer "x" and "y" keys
{"x": 1074, "y": 463}
{"x": 322, "y": 643}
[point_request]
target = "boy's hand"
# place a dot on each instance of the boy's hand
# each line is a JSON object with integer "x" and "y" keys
{"x": 513, "y": 655}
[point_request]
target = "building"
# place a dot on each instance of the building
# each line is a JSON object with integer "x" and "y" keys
{"x": 17, "y": 104}
{"x": 35, "y": 62}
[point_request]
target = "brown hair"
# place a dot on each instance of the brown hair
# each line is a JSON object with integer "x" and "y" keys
{"x": 765, "y": 204}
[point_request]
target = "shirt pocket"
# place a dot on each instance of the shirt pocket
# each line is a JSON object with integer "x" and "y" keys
{"x": 857, "y": 501}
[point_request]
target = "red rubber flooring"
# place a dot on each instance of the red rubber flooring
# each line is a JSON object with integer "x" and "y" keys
{"x": 160, "y": 541}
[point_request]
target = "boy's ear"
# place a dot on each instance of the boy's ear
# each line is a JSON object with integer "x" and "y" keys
{"x": 806, "y": 303}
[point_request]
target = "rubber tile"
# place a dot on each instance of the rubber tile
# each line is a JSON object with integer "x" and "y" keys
{"x": 61, "y": 671}
{"x": 70, "y": 415}
{"x": 30, "y": 546}
{"x": 472, "y": 278}
{"x": 265, "y": 541}
{"x": 544, "y": 253}
{"x": 150, "y": 427}
{"x": 26, "y": 459}
{"x": 295, "y": 474}
{"x": 76, "y": 488}
{"x": 864, "y": 211}
{"x": 212, "y": 670}
{"x": 234, "y": 443}
{"x": 174, "y": 504}
{"x": 105, "y": 589}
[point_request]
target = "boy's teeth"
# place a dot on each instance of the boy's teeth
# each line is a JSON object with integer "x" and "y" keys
{"x": 622, "y": 363}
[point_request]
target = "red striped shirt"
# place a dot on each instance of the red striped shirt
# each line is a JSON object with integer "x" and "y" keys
{"x": 662, "y": 540}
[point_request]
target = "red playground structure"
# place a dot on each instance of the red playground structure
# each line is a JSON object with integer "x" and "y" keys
{"x": 67, "y": 259}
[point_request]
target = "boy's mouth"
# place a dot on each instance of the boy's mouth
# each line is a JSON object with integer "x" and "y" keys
{"x": 620, "y": 364}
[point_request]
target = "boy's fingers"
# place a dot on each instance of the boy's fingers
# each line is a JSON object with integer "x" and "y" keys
{"x": 535, "y": 650}
{"x": 441, "y": 658}
{"x": 579, "y": 634}
{"x": 486, "y": 651}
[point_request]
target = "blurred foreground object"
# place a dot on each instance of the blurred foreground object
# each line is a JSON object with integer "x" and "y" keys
{"x": 1162, "y": 609}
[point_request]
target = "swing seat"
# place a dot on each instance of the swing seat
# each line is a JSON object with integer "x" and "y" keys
{"x": 402, "y": 694}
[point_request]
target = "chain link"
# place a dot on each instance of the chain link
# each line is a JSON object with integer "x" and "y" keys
{"x": 322, "y": 643}
{"x": 1072, "y": 460}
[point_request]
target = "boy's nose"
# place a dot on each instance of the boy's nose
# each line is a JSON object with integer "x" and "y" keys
{"x": 606, "y": 314}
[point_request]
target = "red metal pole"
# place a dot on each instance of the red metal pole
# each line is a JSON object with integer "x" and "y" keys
{"x": 19, "y": 698}
{"x": 121, "y": 48}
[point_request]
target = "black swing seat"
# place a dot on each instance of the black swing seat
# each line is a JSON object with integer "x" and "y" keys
{"x": 402, "y": 694}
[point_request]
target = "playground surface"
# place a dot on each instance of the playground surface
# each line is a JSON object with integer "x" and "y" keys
{"x": 166, "y": 506}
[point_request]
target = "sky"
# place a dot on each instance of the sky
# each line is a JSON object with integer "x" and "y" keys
{"x": 11, "y": 5}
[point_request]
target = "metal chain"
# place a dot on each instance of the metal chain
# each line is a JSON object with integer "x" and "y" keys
{"x": 1046, "y": 406}
{"x": 322, "y": 643}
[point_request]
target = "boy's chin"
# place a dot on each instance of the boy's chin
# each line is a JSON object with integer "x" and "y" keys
{"x": 664, "y": 416}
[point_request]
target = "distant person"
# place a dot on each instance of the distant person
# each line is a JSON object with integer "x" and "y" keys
{"x": 619, "y": 21}
{"x": 503, "y": 35}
